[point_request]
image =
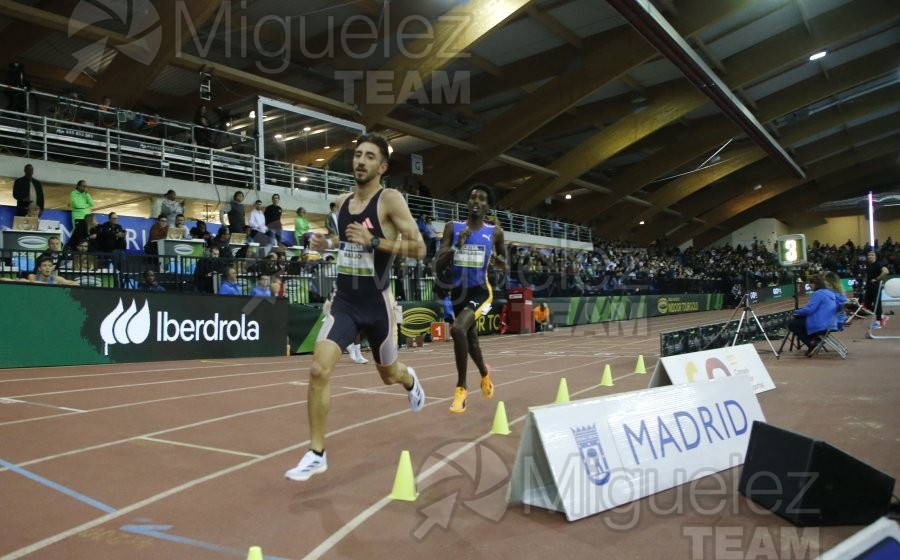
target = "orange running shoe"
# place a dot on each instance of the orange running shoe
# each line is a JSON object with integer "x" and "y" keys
{"x": 459, "y": 400}
{"x": 487, "y": 386}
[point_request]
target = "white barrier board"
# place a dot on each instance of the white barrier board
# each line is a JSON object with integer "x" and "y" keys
{"x": 588, "y": 456}
{"x": 710, "y": 364}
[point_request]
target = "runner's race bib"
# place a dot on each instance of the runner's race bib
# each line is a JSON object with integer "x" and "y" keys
{"x": 355, "y": 260}
{"x": 470, "y": 256}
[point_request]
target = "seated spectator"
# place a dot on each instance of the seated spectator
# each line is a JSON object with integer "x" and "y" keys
{"x": 277, "y": 285}
{"x": 222, "y": 242}
{"x": 81, "y": 261}
{"x": 86, "y": 229}
{"x": 817, "y": 316}
{"x": 150, "y": 284}
{"x": 179, "y": 225}
{"x": 542, "y": 318}
{"x": 160, "y": 230}
{"x": 53, "y": 252}
{"x": 200, "y": 232}
{"x": 229, "y": 285}
{"x": 110, "y": 236}
{"x": 45, "y": 274}
{"x": 262, "y": 287}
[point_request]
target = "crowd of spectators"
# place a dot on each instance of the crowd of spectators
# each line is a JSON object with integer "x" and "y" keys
{"x": 618, "y": 267}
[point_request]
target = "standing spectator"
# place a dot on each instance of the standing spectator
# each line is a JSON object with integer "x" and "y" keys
{"x": 80, "y": 202}
{"x": 876, "y": 273}
{"x": 301, "y": 226}
{"x": 258, "y": 229}
{"x": 17, "y": 93}
{"x": 110, "y": 235}
{"x": 331, "y": 221}
{"x": 206, "y": 268}
{"x": 235, "y": 212}
{"x": 26, "y": 190}
{"x": 201, "y": 130}
{"x": 106, "y": 115}
{"x": 429, "y": 235}
{"x": 171, "y": 207}
{"x": 272, "y": 214}
{"x": 150, "y": 284}
{"x": 262, "y": 287}
{"x": 229, "y": 286}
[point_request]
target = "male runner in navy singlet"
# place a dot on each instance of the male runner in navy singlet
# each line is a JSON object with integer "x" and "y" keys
{"x": 374, "y": 226}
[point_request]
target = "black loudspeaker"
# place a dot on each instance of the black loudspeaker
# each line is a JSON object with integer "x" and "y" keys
{"x": 809, "y": 482}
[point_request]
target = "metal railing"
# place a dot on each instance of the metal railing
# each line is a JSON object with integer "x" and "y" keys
{"x": 67, "y": 130}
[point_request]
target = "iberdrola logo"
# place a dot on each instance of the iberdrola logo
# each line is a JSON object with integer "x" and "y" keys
{"x": 139, "y": 17}
{"x": 123, "y": 326}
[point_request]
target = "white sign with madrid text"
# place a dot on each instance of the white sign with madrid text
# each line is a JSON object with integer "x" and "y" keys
{"x": 588, "y": 456}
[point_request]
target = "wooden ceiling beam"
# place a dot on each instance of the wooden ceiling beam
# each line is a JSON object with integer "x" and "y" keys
{"x": 458, "y": 30}
{"x": 553, "y": 25}
{"x": 125, "y": 84}
{"x": 678, "y": 101}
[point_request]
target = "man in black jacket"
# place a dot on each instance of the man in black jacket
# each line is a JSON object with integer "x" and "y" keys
{"x": 273, "y": 220}
{"x": 26, "y": 190}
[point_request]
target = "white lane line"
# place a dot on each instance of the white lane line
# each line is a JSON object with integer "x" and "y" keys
{"x": 329, "y": 543}
{"x": 53, "y": 539}
{"x": 140, "y": 403}
{"x": 134, "y": 371}
{"x": 202, "y": 447}
{"x": 151, "y": 383}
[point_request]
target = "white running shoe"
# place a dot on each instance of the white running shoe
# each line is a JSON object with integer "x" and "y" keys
{"x": 309, "y": 465}
{"x": 417, "y": 394}
{"x": 358, "y": 358}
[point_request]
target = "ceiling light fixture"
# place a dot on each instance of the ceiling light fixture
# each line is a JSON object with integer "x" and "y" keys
{"x": 641, "y": 223}
{"x": 818, "y": 55}
{"x": 568, "y": 197}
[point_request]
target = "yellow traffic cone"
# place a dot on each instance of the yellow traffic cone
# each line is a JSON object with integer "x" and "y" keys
{"x": 405, "y": 482}
{"x": 606, "y": 380}
{"x": 501, "y": 424}
{"x": 255, "y": 553}
{"x": 639, "y": 368}
{"x": 562, "y": 394}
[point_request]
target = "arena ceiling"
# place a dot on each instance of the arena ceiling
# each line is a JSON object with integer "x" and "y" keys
{"x": 694, "y": 117}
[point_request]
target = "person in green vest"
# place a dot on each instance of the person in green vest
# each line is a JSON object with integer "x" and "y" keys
{"x": 80, "y": 202}
{"x": 301, "y": 226}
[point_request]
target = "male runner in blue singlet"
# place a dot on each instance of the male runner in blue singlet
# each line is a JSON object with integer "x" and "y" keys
{"x": 374, "y": 226}
{"x": 467, "y": 248}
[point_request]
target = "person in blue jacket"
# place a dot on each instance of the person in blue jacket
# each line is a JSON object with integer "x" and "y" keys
{"x": 817, "y": 316}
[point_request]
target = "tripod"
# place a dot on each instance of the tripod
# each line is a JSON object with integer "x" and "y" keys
{"x": 744, "y": 320}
